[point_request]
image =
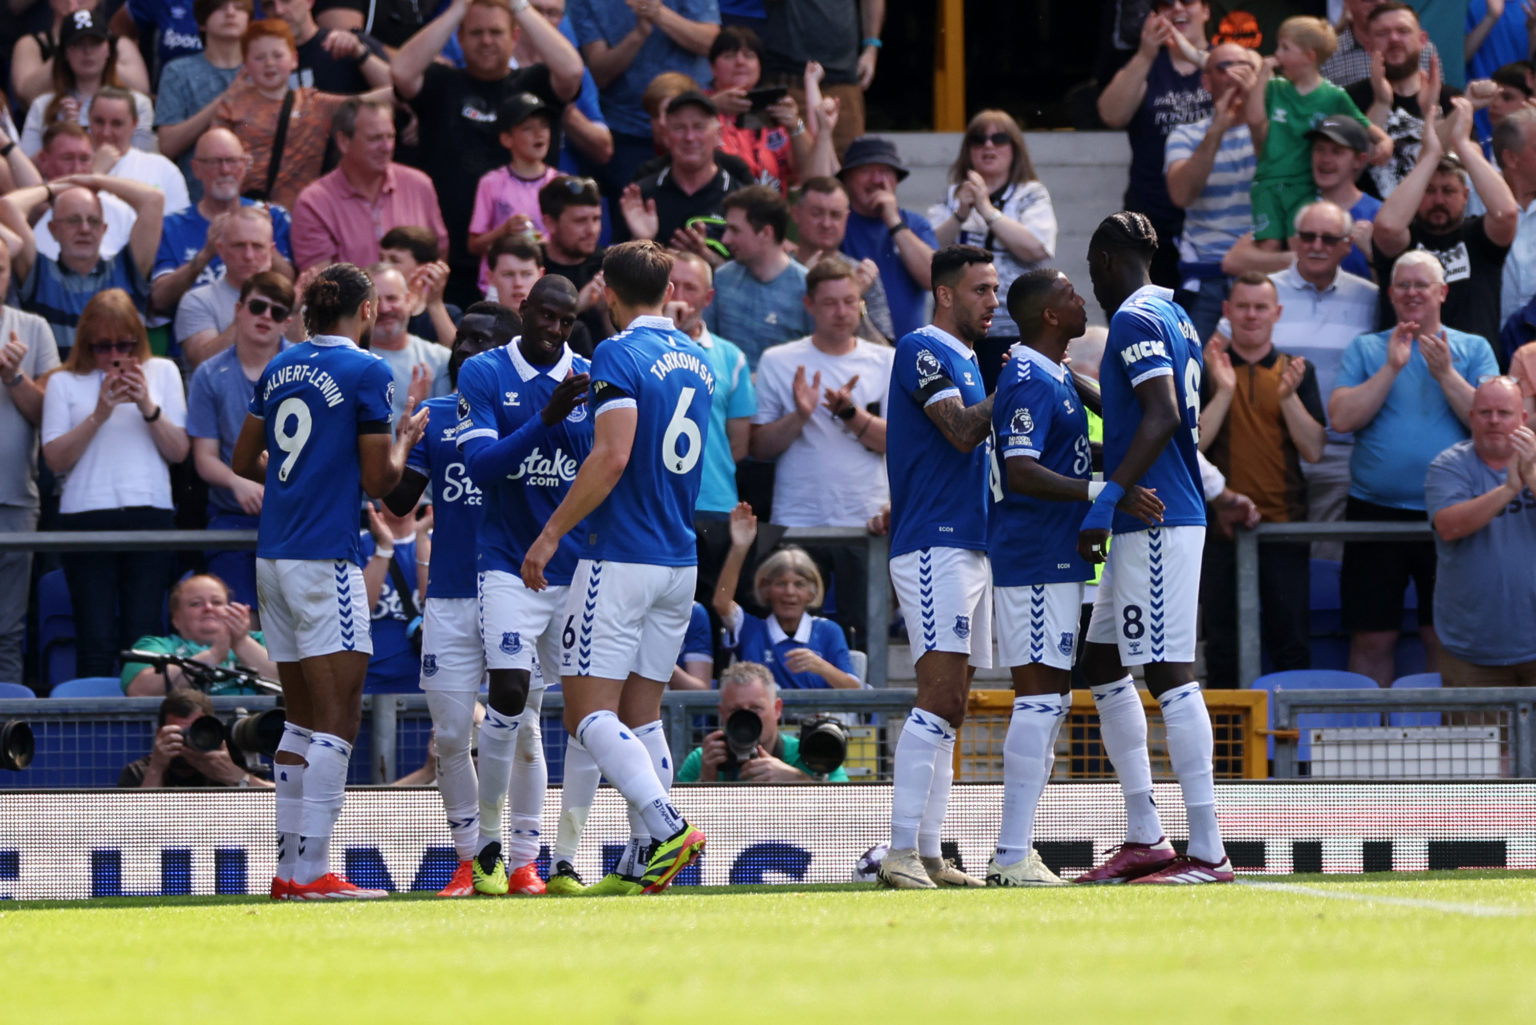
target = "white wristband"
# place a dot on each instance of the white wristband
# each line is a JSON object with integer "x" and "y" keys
{"x": 383, "y": 553}
{"x": 1094, "y": 487}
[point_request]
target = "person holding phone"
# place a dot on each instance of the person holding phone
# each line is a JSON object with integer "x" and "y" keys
{"x": 114, "y": 419}
{"x": 761, "y": 126}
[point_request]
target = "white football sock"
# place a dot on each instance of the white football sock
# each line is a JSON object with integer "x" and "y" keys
{"x": 530, "y": 779}
{"x": 918, "y": 750}
{"x": 289, "y": 799}
{"x": 325, "y": 788}
{"x": 1191, "y": 748}
{"x": 625, "y": 761}
{"x": 577, "y": 793}
{"x": 1123, "y": 727}
{"x": 932, "y": 826}
{"x": 498, "y": 746}
{"x": 1026, "y": 760}
{"x": 1061, "y": 720}
{"x": 654, "y": 737}
{"x": 453, "y": 723}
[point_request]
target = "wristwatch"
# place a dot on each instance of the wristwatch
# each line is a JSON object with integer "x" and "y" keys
{"x": 12, "y": 382}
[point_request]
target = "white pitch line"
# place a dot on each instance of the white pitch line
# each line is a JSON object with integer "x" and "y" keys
{"x": 1448, "y": 907}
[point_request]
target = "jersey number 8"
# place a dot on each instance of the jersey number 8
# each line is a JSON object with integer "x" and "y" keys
{"x": 291, "y": 442}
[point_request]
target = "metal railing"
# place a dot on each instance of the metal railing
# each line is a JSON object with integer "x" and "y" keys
{"x": 1249, "y": 664}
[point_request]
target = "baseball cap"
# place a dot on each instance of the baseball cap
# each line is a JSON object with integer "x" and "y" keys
{"x": 694, "y": 98}
{"x": 519, "y": 107}
{"x": 82, "y": 24}
{"x": 1345, "y": 131}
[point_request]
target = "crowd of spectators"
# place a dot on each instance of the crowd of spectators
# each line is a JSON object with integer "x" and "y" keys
{"x": 1348, "y": 224}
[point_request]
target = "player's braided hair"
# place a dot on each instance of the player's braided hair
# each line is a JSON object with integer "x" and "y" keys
{"x": 1126, "y": 231}
{"x": 335, "y": 293}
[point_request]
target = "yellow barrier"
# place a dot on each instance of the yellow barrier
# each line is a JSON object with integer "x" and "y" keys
{"x": 1239, "y": 719}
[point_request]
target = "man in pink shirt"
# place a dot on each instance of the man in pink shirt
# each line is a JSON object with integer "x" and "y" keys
{"x": 342, "y": 215}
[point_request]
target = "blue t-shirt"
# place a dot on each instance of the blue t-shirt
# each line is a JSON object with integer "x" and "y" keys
{"x": 734, "y": 399}
{"x": 759, "y": 314}
{"x": 1151, "y": 336}
{"x": 939, "y": 495}
{"x": 500, "y": 391}
{"x": 867, "y": 238}
{"x": 394, "y": 667}
{"x": 314, "y": 398}
{"x": 1414, "y": 424}
{"x": 657, "y": 370}
{"x": 217, "y": 401}
{"x": 698, "y": 643}
{"x": 1037, "y": 414}
{"x": 457, "y": 504}
{"x": 609, "y": 21}
{"x": 183, "y": 234}
{"x": 1356, "y": 261}
{"x": 172, "y": 25}
{"x": 764, "y": 641}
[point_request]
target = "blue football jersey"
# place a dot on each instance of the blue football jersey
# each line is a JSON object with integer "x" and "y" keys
{"x": 1149, "y": 336}
{"x": 1037, "y": 413}
{"x": 457, "y": 504}
{"x": 939, "y": 495}
{"x": 313, "y": 397}
{"x": 663, "y": 374}
{"x": 500, "y": 391}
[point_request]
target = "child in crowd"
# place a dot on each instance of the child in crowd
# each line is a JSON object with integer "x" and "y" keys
{"x": 507, "y": 199}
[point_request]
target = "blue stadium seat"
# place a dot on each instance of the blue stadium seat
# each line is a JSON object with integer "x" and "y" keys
{"x": 1325, "y": 597}
{"x": 15, "y": 690}
{"x": 1317, "y": 679}
{"x": 55, "y": 629}
{"x": 1416, "y": 681}
{"x": 89, "y": 687}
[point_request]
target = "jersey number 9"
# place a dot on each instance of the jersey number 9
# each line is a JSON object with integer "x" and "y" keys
{"x": 291, "y": 442}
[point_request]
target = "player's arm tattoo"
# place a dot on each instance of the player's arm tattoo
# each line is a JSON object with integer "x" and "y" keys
{"x": 963, "y": 426}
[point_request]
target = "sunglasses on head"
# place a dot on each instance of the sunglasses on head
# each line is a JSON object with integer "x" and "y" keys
{"x": 260, "y": 307}
{"x": 982, "y": 138}
{"x": 580, "y": 186}
{"x": 123, "y": 347}
{"x": 1310, "y": 237}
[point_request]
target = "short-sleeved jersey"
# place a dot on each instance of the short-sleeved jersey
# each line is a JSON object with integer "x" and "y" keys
{"x": 500, "y": 391}
{"x": 1150, "y": 336}
{"x": 663, "y": 374}
{"x": 314, "y": 398}
{"x": 457, "y": 504}
{"x": 939, "y": 496}
{"x": 1037, "y": 414}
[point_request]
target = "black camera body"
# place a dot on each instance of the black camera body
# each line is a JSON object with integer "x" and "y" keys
{"x": 743, "y": 732}
{"x": 823, "y": 743}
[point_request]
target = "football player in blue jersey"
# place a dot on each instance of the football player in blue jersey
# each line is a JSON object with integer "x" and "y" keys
{"x": 318, "y": 436}
{"x": 938, "y": 406}
{"x": 523, "y": 430}
{"x": 632, "y": 594}
{"x": 1041, "y": 491}
{"x": 1146, "y": 607}
{"x": 452, "y": 657}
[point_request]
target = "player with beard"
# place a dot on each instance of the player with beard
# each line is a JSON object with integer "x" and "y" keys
{"x": 523, "y": 431}
{"x": 452, "y": 655}
{"x": 937, "y": 405}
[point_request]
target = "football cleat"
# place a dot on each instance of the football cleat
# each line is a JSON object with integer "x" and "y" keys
{"x": 463, "y": 882}
{"x": 332, "y": 887}
{"x": 282, "y": 889}
{"x": 903, "y": 870}
{"x": 525, "y": 881}
{"x": 1185, "y": 870}
{"x": 489, "y": 871}
{"x": 615, "y": 885}
{"x": 1032, "y": 871}
{"x": 563, "y": 881}
{"x": 670, "y": 857}
{"x": 944, "y": 873}
{"x": 1131, "y": 861}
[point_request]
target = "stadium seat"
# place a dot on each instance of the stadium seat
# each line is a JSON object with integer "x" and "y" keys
{"x": 1324, "y": 574}
{"x": 1317, "y": 679}
{"x": 89, "y": 687}
{"x": 1416, "y": 681}
{"x": 860, "y": 662}
{"x": 55, "y": 629}
{"x": 15, "y": 690}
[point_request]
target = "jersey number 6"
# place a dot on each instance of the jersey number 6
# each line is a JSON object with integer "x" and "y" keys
{"x": 680, "y": 428}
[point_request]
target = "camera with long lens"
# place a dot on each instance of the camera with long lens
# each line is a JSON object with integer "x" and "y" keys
{"x": 248, "y": 733}
{"x": 16, "y": 745}
{"x": 743, "y": 732}
{"x": 823, "y": 744}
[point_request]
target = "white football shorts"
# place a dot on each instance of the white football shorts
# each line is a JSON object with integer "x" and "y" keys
{"x": 452, "y": 657}
{"x": 1038, "y": 624}
{"x": 312, "y": 607}
{"x": 519, "y": 628}
{"x": 1149, "y": 599}
{"x": 626, "y": 617}
{"x": 946, "y": 598}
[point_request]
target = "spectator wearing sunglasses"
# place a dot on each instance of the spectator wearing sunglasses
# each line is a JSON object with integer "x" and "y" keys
{"x": 59, "y": 289}
{"x": 217, "y": 400}
{"x": 205, "y": 317}
{"x": 113, "y": 422}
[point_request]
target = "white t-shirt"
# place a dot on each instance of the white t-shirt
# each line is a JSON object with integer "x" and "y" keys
{"x": 120, "y": 467}
{"x": 825, "y": 478}
{"x": 153, "y": 169}
{"x": 118, "y": 215}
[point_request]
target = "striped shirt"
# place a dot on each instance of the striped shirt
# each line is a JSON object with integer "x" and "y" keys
{"x": 1221, "y": 214}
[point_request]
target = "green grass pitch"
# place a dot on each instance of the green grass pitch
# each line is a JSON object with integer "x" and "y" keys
{"x": 1433, "y": 948}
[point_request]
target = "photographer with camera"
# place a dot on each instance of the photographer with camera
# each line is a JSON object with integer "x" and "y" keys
{"x": 748, "y": 748}
{"x": 189, "y": 749}
{"x": 208, "y": 627}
